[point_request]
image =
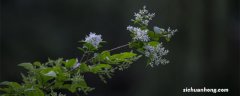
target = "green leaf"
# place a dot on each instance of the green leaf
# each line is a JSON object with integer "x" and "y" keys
{"x": 98, "y": 68}
{"x": 84, "y": 68}
{"x": 153, "y": 43}
{"x": 123, "y": 57}
{"x": 58, "y": 62}
{"x": 104, "y": 55}
{"x": 51, "y": 73}
{"x": 45, "y": 76}
{"x": 29, "y": 89}
{"x": 37, "y": 63}
{"x": 136, "y": 44}
{"x": 67, "y": 86}
{"x": 25, "y": 79}
{"x": 27, "y": 66}
{"x": 89, "y": 46}
{"x": 154, "y": 36}
{"x": 73, "y": 87}
{"x": 81, "y": 49}
{"x": 33, "y": 92}
{"x": 70, "y": 63}
{"x": 14, "y": 84}
{"x": 77, "y": 83}
{"x": 6, "y": 90}
{"x": 82, "y": 85}
{"x": 167, "y": 39}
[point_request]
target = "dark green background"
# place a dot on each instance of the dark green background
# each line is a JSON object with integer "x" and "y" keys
{"x": 204, "y": 53}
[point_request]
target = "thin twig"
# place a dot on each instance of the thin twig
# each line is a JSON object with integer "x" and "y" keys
{"x": 83, "y": 56}
{"x": 111, "y": 50}
{"x": 118, "y": 47}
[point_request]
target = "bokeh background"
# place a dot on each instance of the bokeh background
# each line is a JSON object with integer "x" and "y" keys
{"x": 204, "y": 53}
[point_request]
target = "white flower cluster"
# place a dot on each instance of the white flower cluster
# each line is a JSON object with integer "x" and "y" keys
{"x": 143, "y": 16}
{"x": 139, "y": 34}
{"x": 168, "y": 33}
{"x": 171, "y": 32}
{"x": 156, "y": 53}
{"x": 93, "y": 39}
{"x": 158, "y": 30}
{"x": 56, "y": 94}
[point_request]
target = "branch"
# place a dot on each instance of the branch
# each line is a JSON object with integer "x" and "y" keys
{"x": 118, "y": 47}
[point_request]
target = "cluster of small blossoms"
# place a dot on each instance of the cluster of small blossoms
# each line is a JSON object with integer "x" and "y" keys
{"x": 168, "y": 33}
{"x": 171, "y": 32}
{"x": 139, "y": 34}
{"x": 156, "y": 53}
{"x": 56, "y": 94}
{"x": 93, "y": 39}
{"x": 143, "y": 16}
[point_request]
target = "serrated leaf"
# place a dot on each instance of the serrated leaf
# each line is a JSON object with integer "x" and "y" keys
{"x": 29, "y": 89}
{"x": 70, "y": 63}
{"x": 89, "y": 46}
{"x": 66, "y": 86}
{"x": 5, "y": 90}
{"x": 43, "y": 75}
{"x": 151, "y": 34}
{"x": 11, "y": 84}
{"x": 84, "y": 68}
{"x": 123, "y": 56}
{"x": 14, "y": 84}
{"x": 27, "y": 66}
{"x": 153, "y": 43}
{"x": 81, "y": 49}
{"x": 76, "y": 84}
{"x": 34, "y": 92}
{"x": 127, "y": 55}
{"x": 136, "y": 44}
{"x": 37, "y": 63}
{"x": 51, "y": 73}
{"x": 81, "y": 84}
{"x": 104, "y": 55}
{"x": 154, "y": 36}
{"x": 99, "y": 67}
{"x": 58, "y": 62}
{"x": 25, "y": 79}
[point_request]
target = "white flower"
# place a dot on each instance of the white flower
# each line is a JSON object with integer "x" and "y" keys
{"x": 171, "y": 32}
{"x": 145, "y": 22}
{"x": 143, "y": 16}
{"x": 156, "y": 53}
{"x": 158, "y": 30}
{"x": 168, "y": 33}
{"x": 139, "y": 34}
{"x": 93, "y": 39}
